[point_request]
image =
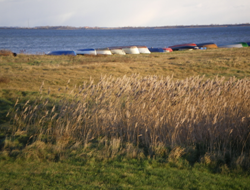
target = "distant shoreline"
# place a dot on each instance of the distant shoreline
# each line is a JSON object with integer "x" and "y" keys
{"x": 127, "y": 27}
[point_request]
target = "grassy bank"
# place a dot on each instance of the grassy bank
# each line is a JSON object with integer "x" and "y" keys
{"x": 184, "y": 116}
{"x": 125, "y": 174}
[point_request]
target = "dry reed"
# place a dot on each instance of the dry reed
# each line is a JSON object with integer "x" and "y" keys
{"x": 152, "y": 113}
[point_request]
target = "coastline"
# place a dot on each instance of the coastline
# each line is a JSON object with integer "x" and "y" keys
{"x": 125, "y": 27}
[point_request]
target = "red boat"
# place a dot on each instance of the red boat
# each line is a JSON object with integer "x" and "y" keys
{"x": 167, "y": 49}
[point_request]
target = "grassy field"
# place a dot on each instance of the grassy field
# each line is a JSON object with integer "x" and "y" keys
{"x": 177, "y": 120}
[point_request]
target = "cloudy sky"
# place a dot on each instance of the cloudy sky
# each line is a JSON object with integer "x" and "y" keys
{"x": 116, "y": 13}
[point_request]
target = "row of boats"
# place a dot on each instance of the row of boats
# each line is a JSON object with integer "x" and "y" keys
{"x": 123, "y": 50}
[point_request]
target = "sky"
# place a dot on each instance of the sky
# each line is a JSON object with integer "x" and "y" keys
{"x": 121, "y": 13}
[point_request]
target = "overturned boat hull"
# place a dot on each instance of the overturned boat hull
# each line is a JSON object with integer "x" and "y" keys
{"x": 143, "y": 49}
{"x": 89, "y": 51}
{"x": 103, "y": 51}
{"x": 230, "y": 46}
{"x": 61, "y": 52}
{"x": 117, "y": 50}
{"x": 167, "y": 49}
{"x": 183, "y": 45}
{"x": 244, "y": 44}
{"x": 207, "y": 45}
{"x": 182, "y": 48}
{"x": 156, "y": 50}
{"x": 131, "y": 50}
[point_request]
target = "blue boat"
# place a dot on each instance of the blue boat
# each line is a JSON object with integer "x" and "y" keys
{"x": 62, "y": 52}
{"x": 89, "y": 51}
{"x": 161, "y": 50}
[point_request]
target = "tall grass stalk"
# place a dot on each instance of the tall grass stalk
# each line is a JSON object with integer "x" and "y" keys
{"x": 151, "y": 113}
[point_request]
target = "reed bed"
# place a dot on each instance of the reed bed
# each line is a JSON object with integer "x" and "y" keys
{"x": 149, "y": 116}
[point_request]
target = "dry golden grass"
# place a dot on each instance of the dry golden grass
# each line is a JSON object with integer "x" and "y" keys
{"x": 27, "y": 72}
{"x": 153, "y": 113}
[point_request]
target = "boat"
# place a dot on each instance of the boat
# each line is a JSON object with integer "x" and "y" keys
{"x": 117, "y": 50}
{"x": 207, "y": 45}
{"x": 160, "y": 50}
{"x": 62, "y": 52}
{"x": 183, "y": 45}
{"x": 248, "y": 43}
{"x": 181, "y": 48}
{"x": 156, "y": 50}
{"x": 143, "y": 49}
{"x": 238, "y": 45}
{"x": 244, "y": 44}
{"x": 167, "y": 49}
{"x": 130, "y": 50}
{"x": 103, "y": 51}
{"x": 89, "y": 51}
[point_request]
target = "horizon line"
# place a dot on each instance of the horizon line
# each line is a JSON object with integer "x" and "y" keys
{"x": 117, "y": 27}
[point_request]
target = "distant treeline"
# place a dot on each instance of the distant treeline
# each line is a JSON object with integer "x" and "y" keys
{"x": 126, "y": 27}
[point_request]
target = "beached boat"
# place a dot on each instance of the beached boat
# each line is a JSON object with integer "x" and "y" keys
{"x": 207, "y": 45}
{"x": 183, "y": 45}
{"x": 156, "y": 50}
{"x": 244, "y": 44}
{"x": 182, "y": 48}
{"x": 167, "y": 49}
{"x": 117, "y": 50}
{"x": 143, "y": 49}
{"x": 61, "y": 52}
{"x": 103, "y": 51}
{"x": 89, "y": 51}
{"x": 130, "y": 49}
{"x": 160, "y": 50}
{"x": 239, "y": 45}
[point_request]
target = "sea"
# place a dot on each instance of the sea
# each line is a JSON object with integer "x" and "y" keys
{"x": 36, "y": 41}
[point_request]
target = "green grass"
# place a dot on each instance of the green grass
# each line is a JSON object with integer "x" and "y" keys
{"x": 116, "y": 174}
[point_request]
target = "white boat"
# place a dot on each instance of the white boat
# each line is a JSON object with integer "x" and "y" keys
{"x": 143, "y": 49}
{"x": 131, "y": 50}
{"x": 89, "y": 51}
{"x": 231, "y": 46}
{"x": 117, "y": 50}
{"x": 103, "y": 51}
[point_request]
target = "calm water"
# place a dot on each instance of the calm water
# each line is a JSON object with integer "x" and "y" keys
{"x": 42, "y": 41}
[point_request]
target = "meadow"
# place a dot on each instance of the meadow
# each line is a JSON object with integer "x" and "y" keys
{"x": 177, "y": 120}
